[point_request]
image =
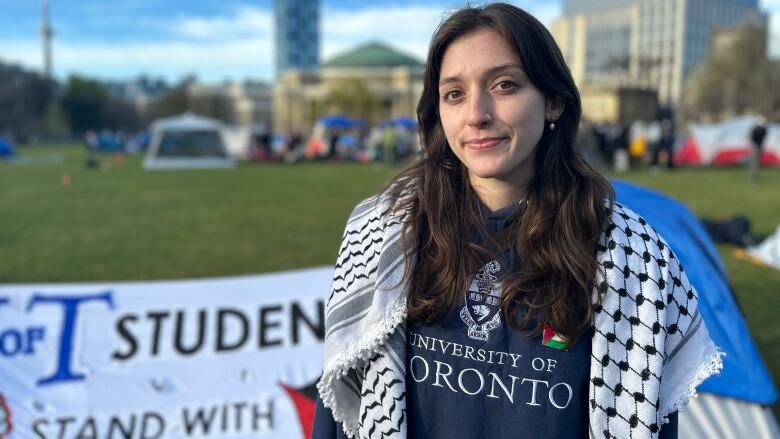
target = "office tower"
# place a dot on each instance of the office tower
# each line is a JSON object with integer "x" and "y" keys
{"x": 297, "y": 34}
{"x": 644, "y": 43}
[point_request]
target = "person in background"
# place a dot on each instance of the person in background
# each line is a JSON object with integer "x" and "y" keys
{"x": 757, "y": 135}
{"x": 333, "y": 142}
{"x": 495, "y": 289}
{"x": 91, "y": 143}
{"x": 389, "y": 144}
{"x": 667, "y": 142}
{"x": 374, "y": 143}
{"x": 664, "y": 146}
{"x": 601, "y": 130}
{"x": 654, "y": 141}
{"x": 617, "y": 137}
{"x": 638, "y": 145}
{"x": 588, "y": 142}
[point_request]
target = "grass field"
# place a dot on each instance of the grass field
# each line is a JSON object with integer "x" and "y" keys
{"x": 124, "y": 223}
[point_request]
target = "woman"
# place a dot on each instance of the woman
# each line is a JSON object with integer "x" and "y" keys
{"x": 494, "y": 289}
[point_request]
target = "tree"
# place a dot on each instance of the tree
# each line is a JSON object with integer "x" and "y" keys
{"x": 23, "y": 99}
{"x": 736, "y": 78}
{"x": 55, "y": 122}
{"x": 215, "y": 106}
{"x": 84, "y": 101}
{"x": 353, "y": 98}
{"x": 174, "y": 102}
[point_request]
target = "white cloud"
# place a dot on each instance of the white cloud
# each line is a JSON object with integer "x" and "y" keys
{"x": 408, "y": 29}
{"x": 544, "y": 11}
{"x": 235, "y": 46}
{"x": 247, "y": 21}
{"x": 210, "y": 61}
{"x": 25, "y": 52}
{"x": 240, "y": 44}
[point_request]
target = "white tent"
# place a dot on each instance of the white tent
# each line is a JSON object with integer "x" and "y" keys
{"x": 240, "y": 138}
{"x": 187, "y": 141}
{"x": 768, "y": 251}
{"x": 728, "y": 143}
{"x": 710, "y": 416}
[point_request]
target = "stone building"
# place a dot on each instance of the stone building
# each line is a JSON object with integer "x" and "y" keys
{"x": 652, "y": 44}
{"x": 372, "y": 82}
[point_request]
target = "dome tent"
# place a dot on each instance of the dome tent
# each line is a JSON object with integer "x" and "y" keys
{"x": 727, "y": 143}
{"x": 187, "y": 141}
{"x": 768, "y": 251}
{"x": 6, "y": 150}
{"x": 734, "y": 402}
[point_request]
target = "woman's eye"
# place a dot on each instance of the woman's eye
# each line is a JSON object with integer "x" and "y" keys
{"x": 451, "y": 95}
{"x": 506, "y": 85}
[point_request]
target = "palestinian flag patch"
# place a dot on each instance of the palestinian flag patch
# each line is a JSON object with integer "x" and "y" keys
{"x": 553, "y": 340}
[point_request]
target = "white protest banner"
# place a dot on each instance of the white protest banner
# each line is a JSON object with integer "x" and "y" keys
{"x": 213, "y": 358}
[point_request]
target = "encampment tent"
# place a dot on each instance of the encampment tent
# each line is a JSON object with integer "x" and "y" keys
{"x": 187, "y": 142}
{"x": 109, "y": 142}
{"x": 733, "y": 403}
{"x": 240, "y": 139}
{"x": 318, "y": 145}
{"x": 6, "y": 150}
{"x": 727, "y": 143}
{"x": 406, "y": 122}
{"x": 338, "y": 121}
{"x": 768, "y": 252}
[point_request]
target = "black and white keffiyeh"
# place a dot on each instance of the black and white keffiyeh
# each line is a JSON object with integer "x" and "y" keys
{"x": 650, "y": 347}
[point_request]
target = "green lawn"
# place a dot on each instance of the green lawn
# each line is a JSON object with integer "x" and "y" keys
{"x": 124, "y": 223}
{"x": 127, "y": 223}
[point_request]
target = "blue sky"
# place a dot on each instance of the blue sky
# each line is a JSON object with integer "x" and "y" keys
{"x": 219, "y": 39}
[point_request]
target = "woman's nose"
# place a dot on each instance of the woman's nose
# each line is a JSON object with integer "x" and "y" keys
{"x": 480, "y": 110}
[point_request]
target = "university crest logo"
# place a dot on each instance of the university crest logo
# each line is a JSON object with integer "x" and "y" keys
{"x": 481, "y": 310}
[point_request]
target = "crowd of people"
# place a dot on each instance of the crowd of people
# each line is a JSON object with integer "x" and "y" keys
{"x": 115, "y": 141}
{"x": 620, "y": 146}
{"x": 612, "y": 146}
{"x": 388, "y": 142}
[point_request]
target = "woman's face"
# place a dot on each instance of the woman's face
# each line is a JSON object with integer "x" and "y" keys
{"x": 492, "y": 115}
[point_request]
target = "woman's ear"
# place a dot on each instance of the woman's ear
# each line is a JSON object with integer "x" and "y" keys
{"x": 554, "y": 107}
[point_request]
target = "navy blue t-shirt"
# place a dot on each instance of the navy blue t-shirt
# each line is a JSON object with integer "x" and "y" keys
{"x": 475, "y": 376}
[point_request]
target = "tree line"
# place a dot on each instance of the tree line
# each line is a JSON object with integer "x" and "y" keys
{"x": 34, "y": 109}
{"x": 736, "y": 78}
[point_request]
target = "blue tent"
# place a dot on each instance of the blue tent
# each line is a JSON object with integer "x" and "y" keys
{"x": 744, "y": 375}
{"x": 339, "y": 122}
{"x": 406, "y": 122}
{"x": 107, "y": 142}
{"x": 400, "y": 121}
{"x": 6, "y": 150}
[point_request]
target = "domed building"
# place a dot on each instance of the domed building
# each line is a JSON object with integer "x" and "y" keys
{"x": 372, "y": 82}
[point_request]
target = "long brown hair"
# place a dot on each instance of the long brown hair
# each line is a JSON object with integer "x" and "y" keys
{"x": 556, "y": 231}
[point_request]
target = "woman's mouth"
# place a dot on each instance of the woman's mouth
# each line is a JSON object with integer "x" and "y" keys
{"x": 484, "y": 143}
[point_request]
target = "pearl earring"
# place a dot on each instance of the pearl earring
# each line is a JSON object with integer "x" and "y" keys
{"x": 552, "y": 126}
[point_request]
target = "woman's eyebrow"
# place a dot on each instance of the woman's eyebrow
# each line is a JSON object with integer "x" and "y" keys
{"x": 490, "y": 72}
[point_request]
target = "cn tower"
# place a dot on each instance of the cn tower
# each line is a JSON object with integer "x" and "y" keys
{"x": 46, "y": 34}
